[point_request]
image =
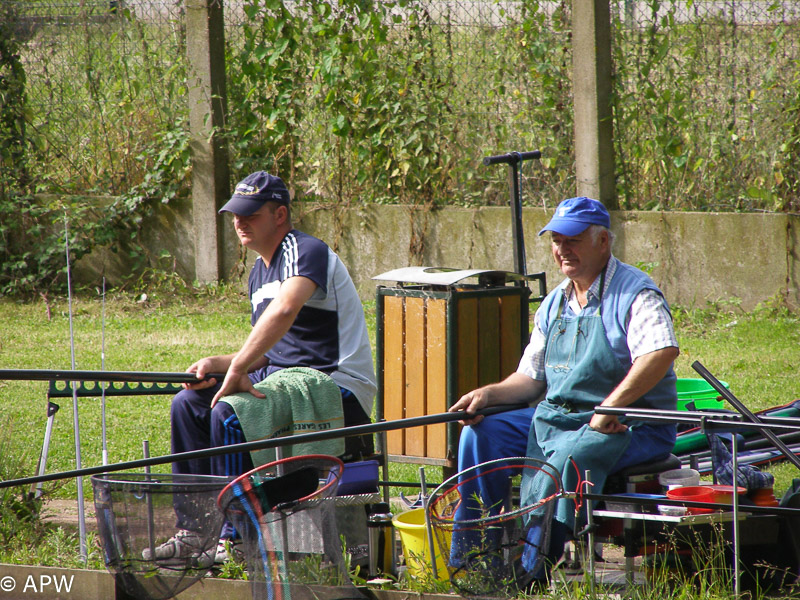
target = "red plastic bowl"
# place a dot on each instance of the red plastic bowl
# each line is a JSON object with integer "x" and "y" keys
{"x": 693, "y": 493}
{"x": 723, "y": 494}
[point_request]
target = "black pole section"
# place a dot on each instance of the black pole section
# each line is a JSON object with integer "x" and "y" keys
{"x": 316, "y": 436}
{"x": 517, "y": 234}
{"x": 110, "y": 376}
{"x": 511, "y": 157}
{"x": 738, "y": 405}
{"x": 514, "y": 161}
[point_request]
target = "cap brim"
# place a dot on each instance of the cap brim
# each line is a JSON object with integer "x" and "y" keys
{"x": 241, "y": 205}
{"x": 567, "y": 227}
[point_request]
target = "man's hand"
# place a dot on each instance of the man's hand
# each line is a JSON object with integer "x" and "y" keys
{"x": 235, "y": 382}
{"x": 646, "y": 371}
{"x": 607, "y": 424}
{"x": 515, "y": 388}
{"x": 471, "y": 402}
{"x": 210, "y": 364}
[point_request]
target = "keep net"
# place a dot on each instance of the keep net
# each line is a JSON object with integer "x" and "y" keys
{"x": 479, "y": 524}
{"x": 137, "y": 512}
{"x": 284, "y": 512}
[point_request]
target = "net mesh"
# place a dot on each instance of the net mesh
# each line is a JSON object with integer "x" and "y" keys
{"x": 480, "y": 525}
{"x": 138, "y": 513}
{"x": 285, "y": 514}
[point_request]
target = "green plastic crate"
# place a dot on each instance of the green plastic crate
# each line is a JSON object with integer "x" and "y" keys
{"x": 697, "y": 394}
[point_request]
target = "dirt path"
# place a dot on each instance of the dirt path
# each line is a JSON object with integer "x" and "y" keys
{"x": 64, "y": 513}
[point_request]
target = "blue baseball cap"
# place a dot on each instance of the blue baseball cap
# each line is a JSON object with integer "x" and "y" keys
{"x": 254, "y": 191}
{"x": 574, "y": 215}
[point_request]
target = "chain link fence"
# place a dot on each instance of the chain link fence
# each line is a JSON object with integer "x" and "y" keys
{"x": 706, "y": 98}
{"x": 105, "y": 81}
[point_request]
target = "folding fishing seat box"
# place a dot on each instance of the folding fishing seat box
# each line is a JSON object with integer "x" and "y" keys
{"x": 441, "y": 333}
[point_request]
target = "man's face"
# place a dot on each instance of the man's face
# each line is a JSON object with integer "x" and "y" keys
{"x": 257, "y": 230}
{"x": 580, "y": 257}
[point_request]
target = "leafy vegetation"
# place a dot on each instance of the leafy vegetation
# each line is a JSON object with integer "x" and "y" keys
{"x": 362, "y": 101}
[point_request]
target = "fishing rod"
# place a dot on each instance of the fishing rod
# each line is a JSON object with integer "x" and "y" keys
{"x": 316, "y": 436}
{"x": 738, "y": 405}
{"x": 75, "y": 418}
{"x": 659, "y": 501}
{"x": 726, "y": 421}
{"x": 106, "y": 376}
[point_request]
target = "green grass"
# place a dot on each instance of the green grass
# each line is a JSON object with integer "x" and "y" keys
{"x": 756, "y": 353}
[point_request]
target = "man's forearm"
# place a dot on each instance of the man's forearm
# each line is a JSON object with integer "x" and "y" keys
{"x": 264, "y": 335}
{"x": 274, "y": 322}
{"x": 645, "y": 373}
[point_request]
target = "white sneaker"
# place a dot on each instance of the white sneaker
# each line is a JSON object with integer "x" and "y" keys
{"x": 228, "y": 550}
{"x": 184, "y": 544}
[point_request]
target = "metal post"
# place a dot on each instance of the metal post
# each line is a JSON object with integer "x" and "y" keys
{"x": 75, "y": 420}
{"x": 151, "y": 538}
{"x": 590, "y": 532}
{"x": 104, "y": 433}
{"x": 52, "y": 409}
{"x": 735, "y": 464}
{"x": 517, "y": 235}
{"x": 428, "y": 528}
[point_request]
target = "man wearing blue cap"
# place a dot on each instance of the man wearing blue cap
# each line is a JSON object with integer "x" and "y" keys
{"x": 305, "y": 312}
{"x": 604, "y": 336}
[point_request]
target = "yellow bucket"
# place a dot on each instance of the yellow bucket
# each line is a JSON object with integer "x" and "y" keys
{"x": 414, "y": 537}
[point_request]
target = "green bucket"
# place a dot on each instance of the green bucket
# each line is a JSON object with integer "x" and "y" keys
{"x": 697, "y": 394}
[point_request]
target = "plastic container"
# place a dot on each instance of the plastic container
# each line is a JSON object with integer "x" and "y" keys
{"x": 628, "y": 502}
{"x": 679, "y": 478}
{"x": 358, "y": 478}
{"x": 671, "y": 511}
{"x": 724, "y": 493}
{"x": 693, "y": 493}
{"x": 414, "y": 538}
{"x": 763, "y": 497}
{"x": 697, "y": 394}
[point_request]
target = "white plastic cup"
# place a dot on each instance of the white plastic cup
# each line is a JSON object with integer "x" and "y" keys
{"x": 676, "y": 478}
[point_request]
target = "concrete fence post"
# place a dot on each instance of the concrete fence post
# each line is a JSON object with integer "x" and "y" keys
{"x": 594, "y": 148}
{"x": 205, "y": 47}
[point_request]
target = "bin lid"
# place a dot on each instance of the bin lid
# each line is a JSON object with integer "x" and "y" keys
{"x": 446, "y": 275}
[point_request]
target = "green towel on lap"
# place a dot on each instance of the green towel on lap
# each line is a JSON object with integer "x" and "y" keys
{"x": 299, "y": 400}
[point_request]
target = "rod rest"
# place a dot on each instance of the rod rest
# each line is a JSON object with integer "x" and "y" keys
{"x": 90, "y": 389}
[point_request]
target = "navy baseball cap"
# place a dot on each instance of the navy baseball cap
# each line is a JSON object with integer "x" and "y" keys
{"x": 574, "y": 215}
{"x": 254, "y": 191}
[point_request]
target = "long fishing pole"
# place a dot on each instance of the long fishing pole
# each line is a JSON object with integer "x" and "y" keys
{"x": 738, "y": 405}
{"x": 316, "y": 436}
{"x": 108, "y": 376}
{"x": 103, "y": 368}
{"x": 75, "y": 420}
{"x": 724, "y": 421}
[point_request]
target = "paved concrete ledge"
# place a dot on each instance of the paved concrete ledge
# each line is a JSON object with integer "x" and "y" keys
{"x": 18, "y": 582}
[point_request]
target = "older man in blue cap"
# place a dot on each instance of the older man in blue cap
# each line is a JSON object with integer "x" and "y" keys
{"x": 604, "y": 336}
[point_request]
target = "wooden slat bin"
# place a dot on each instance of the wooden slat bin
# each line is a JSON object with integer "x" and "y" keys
{"x": 434, "y": 344}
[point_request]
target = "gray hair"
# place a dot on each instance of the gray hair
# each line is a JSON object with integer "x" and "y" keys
{"x": 594, "y": 232}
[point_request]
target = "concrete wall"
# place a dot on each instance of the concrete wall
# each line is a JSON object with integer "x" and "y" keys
{"x": 695, "y": 257}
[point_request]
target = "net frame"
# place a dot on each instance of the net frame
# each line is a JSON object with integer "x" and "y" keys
{"x": 137, "y": 511}
{"x": 494, "y": 568}
{"x": 273, "y": 561}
